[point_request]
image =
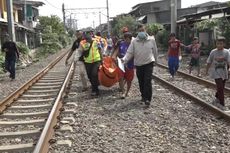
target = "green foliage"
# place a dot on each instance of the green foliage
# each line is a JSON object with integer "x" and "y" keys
{"x": 224, "y": 28}
{"x": 154, "y": 28}
{"x": 71, "y": 32}
{"x": 48, "y": 48}
{"x": 23, "y": 48}
{"x": 162, "y": 38}
{"x": 53, "y": 35}
{"x": 206, "y": 24}
{"x": 64, "y": 40}
{"x": 2, "y": 59}
{"x": 219, "y": 26}
{"x": 50, "y": 37}
{"x": 123, "y": 21}
{"x": 54, "y": 22}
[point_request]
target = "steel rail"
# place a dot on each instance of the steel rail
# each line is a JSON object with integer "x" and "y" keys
{"x": 194, "y": 98}
{"x": 6, "y": 102}
{"x": 200, "y": 80}
{"x": 43, "y": 143}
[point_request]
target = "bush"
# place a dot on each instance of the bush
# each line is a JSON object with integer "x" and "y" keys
{"x": 23, "y": 48}
{"x": 2, "y": 59}
{"x": 162, "y": 39}
{"x": 64, "y": 40}
{"x": 48, "y": 48}
{"x": 154, "y": 28}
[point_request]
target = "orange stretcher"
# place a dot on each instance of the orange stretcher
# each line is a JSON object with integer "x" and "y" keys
{"x": 108, "y": 72}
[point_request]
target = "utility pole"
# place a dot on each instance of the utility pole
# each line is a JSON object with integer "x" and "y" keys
{"x": 100, "y": 18}
{"x": 107, "y": 7}
{"x": 173, "y": 15}
{"x": 25, "y": 22}
{"x": 25, "y": 11}
{"x": 63, "y": 12}
{"x": 10, "y": 19}
{"x": 71, "y": 21}
{"x": 93, "y": 24}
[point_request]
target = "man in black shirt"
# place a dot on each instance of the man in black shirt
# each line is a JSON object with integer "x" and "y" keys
{"x": 11, "y": 56}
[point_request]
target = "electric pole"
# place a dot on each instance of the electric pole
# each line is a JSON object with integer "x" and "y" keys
{"x": 107, "y": 7}
{"x": 100, "y": 18}
{"x": 63, "y": 12}
{"x": 10, "y": 19}
{"x": 173, "y": 15}
{"x": 25, "y": 11}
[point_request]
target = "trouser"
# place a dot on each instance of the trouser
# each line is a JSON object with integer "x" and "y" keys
{"x": 173, "y": 63}
{"x": 82, "y": 72}
{"x": 144, "y": 75}
{"x": 10, "y": 67}
{"x": 92, "y": 73}
{"x": 220, "y": 84}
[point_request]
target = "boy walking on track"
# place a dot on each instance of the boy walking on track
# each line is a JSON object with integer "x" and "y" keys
{"x": 174, "y": 52}
{"x": 194, "y": 49}
{"x": 218, "y": 62}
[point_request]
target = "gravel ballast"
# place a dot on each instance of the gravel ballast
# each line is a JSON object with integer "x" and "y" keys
{"x": 172, "y": 124}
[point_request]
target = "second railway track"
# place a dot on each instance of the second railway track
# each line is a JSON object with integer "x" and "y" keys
{"x": 197, "y": 89}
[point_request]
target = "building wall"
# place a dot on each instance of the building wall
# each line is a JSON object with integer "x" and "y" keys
{"x": 155, "y": 7}
{"x": 2, "y": 8}
{"x": 3, "y": 11}
{"x": 164, "y": 17}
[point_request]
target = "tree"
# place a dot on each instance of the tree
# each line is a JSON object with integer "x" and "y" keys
{"x": 53, "y": 34}
{"x": 154, "y": 28}
{"x": 123, "y": 21}
{"x": 53, "y": 22}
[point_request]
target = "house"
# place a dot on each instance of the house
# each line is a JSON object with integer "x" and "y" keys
{"x": 160, "y": 11}
{"x": 153, "y": 12}
{"x": 206, "y": 11}
{"x": 25, "y": 15}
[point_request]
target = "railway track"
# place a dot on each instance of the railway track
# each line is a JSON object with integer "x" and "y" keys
{"x": 199, "y": 90}
{"x": 29, "y": 115}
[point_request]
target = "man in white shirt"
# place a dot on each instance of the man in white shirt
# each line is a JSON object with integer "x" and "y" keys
{"x": 144, "y": 51}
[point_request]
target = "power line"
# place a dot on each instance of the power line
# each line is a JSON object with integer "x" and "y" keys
{"x": 53, "y": 5}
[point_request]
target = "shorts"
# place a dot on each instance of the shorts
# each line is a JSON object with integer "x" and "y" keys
{"x": 195, "y": 62}
{"x": 128, "y": 75}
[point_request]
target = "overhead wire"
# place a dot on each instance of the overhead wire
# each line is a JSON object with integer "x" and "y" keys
{"x": 53, "y": 5}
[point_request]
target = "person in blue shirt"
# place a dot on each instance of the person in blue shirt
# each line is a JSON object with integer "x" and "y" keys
{"x": 127, "y": 76}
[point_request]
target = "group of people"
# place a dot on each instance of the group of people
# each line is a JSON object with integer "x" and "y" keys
{"x": 140, "y": 52}
{"x": 218, "y": 63}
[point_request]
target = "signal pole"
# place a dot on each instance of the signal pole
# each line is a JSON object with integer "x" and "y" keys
{"x": 63, "y": 12}
{"x": 107, "y": 7}
{"x": 100, "y": 18}
{"x": 173, "y": 15}
{"x": 10, "y": 19}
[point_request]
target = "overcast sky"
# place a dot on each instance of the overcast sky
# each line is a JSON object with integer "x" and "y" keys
{"x": 91, "y": 17}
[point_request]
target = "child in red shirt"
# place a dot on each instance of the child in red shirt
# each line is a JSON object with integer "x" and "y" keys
{"x": 174, "y": 51}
